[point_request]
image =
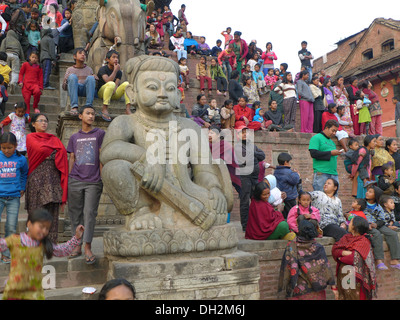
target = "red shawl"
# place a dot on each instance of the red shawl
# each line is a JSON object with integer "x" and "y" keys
{"x": 263, "y": 220}
{"x": 350, "y": 243}
{"x": 39, "y": 146}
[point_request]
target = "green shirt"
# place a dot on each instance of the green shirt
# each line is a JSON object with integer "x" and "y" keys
{"x": 322, "y": 143}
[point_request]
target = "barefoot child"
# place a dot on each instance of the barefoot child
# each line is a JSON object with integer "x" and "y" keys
{"x": 27, "y": 253}
{"x": 227, "y": 115}
{"x": 303, "y": 208}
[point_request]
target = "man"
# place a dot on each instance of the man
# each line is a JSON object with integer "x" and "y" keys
{"x": 324, "y": 153}
{"x": 305, "y": 58}
{"x": 79, "y": 81}
{"x": 84, "y": 181}
{"x": 306, "y": 103}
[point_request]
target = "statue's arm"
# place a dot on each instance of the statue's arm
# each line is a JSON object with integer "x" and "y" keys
{"x": 119, "y": 143}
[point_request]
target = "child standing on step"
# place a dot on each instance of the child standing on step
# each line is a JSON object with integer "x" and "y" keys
{"x": 13, "y": 175}
{"x": 31, "y": 81}
{"x": 18, "y": 120}
{"x": 27, "y": 252}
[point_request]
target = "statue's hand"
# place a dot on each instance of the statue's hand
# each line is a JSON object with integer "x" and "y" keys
{"x": 153, "y": 177}
{"x": 219, "y": 204}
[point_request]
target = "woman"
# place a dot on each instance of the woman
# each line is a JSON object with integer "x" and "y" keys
{"x": 327, "y": 93}
{"x": 264, "y": 223}
{"x": 341, "y": 135}
{"x": 305, "y": 270}
{"x": 361, "y": 170}
{"x": 221, "y": 149}
{"x": 47, "y": 183}
{"x": 375, "y": 109}
{"x": 200, "y": 113}
{"x": 340, "y": 96}
{"x": 190, "y": 44}
{"x": 354, "y": 95}
{"x": 380, "y": 157}
{"x": 154, "y": 38}
{"x": 392, "y": 147}
{"x": 330, "y": 207}
{"x": 240, "y": 49}
{"x": 354, "y": 249}
{"x": 268, "y": 56}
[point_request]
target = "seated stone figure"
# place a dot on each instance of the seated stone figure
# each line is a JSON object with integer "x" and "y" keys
{"x": 182, "y": 189}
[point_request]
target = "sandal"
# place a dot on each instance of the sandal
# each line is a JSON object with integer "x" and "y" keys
{"x": 395, "y": 266}
{"x": 74, "y": 111}
{"x": 106, "y": 116}
{"x": 5, "y": 259}
{"x": 90, "y": 259}
{"x": 381, "y": 266}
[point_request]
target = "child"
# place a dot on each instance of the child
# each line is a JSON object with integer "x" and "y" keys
{"x": 169, "y": 26}
{"x": 12, "y": 47}
{"x": 227, "y": 60}
{"x": 33, "y": 34}
{"x": 3, "y": 96}
{"x": 218, "y": 75}
{"x": 184, "y": 71}
{"x": 270, "y": 78}
{"x": 31, "y": 81}
{"x": 288, "y": 90}
{"x": 47, "y": 56}
{"x": 84, "y": 181}
{"x": 303, "y": 208}
{"x": 385, "y": 181}
{"x": 288, "y": 180}
{"x": 214, "y": 113}
{"x": 258, "y": 77}
{"x": 247, "y": 73}
{"x": 4, "y": 68}
{"x": 13, "y": 175}
{"x": 31, "y": 246}
{"x": 253, "y": 61}
{"x": 387, "y": 203}
{"x": 250, "y": 91}
{"x": 344, "y": 120}
{"x": 160, "y": 27}
{"x": 109, "y": 85}
{"x": 396, "y": 199}
{"x": 203, "y": 74}
{"x": 354, "y": 249}
{"x": 227, "y": 115}
{"x": 364, "y": 116}
{"x": 227, "y": 36}
{"x": 358, "y": 205}
{"x": 203, "y": 47}
{"x": 18, "y": 120}
{"x": 350, "y": 158}
{"x": 376, "y": 218}
{"x": 216, "y": 50}
{"x": 66, "y": 41}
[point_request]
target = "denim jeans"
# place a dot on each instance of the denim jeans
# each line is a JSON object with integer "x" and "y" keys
{"x": 181, "y": 53}
{"x": 320, "y": 179}
{"x": 86, "y": 89}
{"x": 46, "y": 66}
{"x": 12, "y": 208}
{"x": 226, "y": 67}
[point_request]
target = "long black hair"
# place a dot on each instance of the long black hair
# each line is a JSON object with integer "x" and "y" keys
{"x": 42, "y": 215}
{"x": 258, "y": 189}
{"x": 34, "y": 119}
{"x": 301, "y": 193}
{"x": 111, "y": 284}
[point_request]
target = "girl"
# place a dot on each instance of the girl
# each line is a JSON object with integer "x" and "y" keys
{"x": 218, "y": 75}
{"x": 203, "y": 74}
{"x": 33, "y": 34}
{"x": 31, "y": 81}
{"x": 18, "y": 120}
{"x": 375, "y": 108}
{"x": 250, "y": 91}
{"x": 392, "y": 148}
{"x": 264, "y": 223}
{"x": 327, "y": 93}
{"x": 376, "y": 218}
{"x": 268, "y": 56}
{"x": 184, "y": 70}
{"x": 13, "y": 174}
{"x": 318, "y": 103}
{"x": 27, "y": 251}
{"x": 303, "y": 208}
{"x": 160, "y": 27}
{"x": 270, "y": 78}
{"x": 288, "y": 90}
{"x": 227, "y": 115}
{"x": 354, "y": 249}
{"x": 227, "y": 35}
{"x": 47, "y": 184}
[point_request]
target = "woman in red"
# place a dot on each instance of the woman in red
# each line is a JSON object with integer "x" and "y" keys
{"x": 31, "y": 81}
{"x": 354, "y": 94}
{"x": 47, "y": 183}
{"x": 354, "y": 249}
{"x": 244, "y": 115}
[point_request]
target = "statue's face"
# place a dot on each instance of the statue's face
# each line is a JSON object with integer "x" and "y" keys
{"x": 158, "y": 92}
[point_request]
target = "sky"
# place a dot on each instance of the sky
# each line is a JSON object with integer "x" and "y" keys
{"x": 285, "y": 23}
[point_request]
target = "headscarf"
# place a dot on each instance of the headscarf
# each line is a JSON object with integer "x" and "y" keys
{"x": 275, "y": 197}
{"x": 381, "y": 156}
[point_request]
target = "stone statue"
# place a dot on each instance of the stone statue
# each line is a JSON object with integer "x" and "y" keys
{"x": 84, "y": 14}
{"x": 184, "y": 190}
{"x": 122, "y": 24}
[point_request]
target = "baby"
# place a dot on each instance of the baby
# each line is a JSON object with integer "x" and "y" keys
{"x": 214, "y": 113}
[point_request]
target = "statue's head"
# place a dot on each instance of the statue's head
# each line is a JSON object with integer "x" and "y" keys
{"x": 153, "y": 84}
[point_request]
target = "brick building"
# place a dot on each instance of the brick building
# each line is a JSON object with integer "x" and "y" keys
{"x": 373, "y": 54}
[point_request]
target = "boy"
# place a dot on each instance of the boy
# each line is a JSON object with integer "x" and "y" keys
{"x": 84, "y": 181}
{"x": 12, "y": 47}
{"x": 216, "y": 50}
{"x": 109, "y": 86}
{"x": 358, "y": 206}
{"x": 203, "y": 47}
{"x": 305, "y": 59}
{"x": 396, "y": 102}
{"x": 353, "y": 145}
{"x": 79, "y": 81}
{"x": 387, "y": 203}
{"x": 66, "y": 41}
{"x": 385, "y": 181}
{"x": 47, "y": 56}
{"x": 287, "y": 181}
{"x": 4, "y": 68}
{"x": 258, "y": 77}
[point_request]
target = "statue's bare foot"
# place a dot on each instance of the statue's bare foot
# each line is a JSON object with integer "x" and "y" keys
{"x": 146, "y": 221}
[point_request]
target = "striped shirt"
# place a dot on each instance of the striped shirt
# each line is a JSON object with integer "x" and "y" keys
{"x": 81, "y": 73}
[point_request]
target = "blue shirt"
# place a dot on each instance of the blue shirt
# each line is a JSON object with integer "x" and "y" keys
{"x": 13, "y": 175}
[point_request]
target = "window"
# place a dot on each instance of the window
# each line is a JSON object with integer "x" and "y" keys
{"x": 388, "y": 46}
{"x": 353, "y": 45}
{"x": 367, "y": 54}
